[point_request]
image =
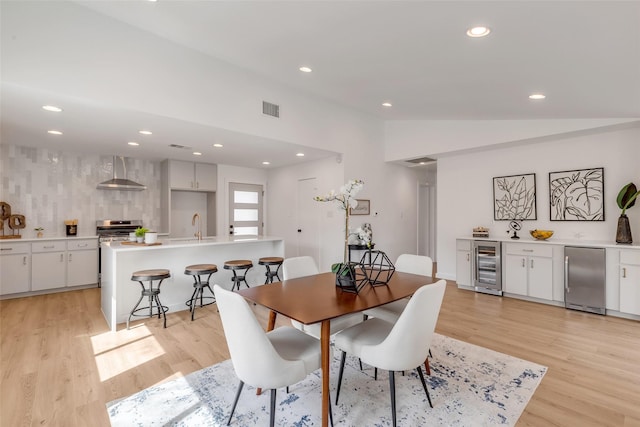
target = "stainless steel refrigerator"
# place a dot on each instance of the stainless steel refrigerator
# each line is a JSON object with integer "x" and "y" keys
{"x": 584, "y": 279}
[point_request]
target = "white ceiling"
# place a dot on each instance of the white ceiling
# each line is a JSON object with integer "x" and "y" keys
{"x": 584, "y": 55}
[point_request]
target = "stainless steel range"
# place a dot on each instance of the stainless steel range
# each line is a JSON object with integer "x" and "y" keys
{"x": 113, "y": 230}
{"x": 116, "y": 230}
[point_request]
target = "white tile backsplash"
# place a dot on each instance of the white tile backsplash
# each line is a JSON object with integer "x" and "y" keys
{"x": 49, "y": 186}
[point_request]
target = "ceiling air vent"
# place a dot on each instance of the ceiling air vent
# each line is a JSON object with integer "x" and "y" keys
{"x": 422, "y": 161}
{"x": 180, "y": 147}
{"x": 270, "y": 109}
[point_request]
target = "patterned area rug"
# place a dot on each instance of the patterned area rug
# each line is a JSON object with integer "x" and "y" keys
{"x": 469, "y": 386}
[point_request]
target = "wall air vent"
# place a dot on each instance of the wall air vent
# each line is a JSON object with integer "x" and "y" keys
{"x": 270, "y": 109}
{"x": 180, "y": 147}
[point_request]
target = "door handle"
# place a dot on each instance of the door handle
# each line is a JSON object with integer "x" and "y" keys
{"x": 531, "y": 263}
{"x": 566, "y": 273}
{"x": 624, "y": 272}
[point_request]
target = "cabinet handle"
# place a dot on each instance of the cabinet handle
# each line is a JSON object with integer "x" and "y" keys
{"x": 527, "y": 250}
{"x": 6, "y": 249}
{"x": 531, "y": 263}
{"x": 83, "y": 245}
{"x": 24, "y": 260}
{"x": 61, "y": 257}
{"x": 523, "y": 263}
{"x": 197, "y": 184}
{"x": 624, "y": 272}
{"x": 48, "y": 247}
{"x": 70, "y": 255}
{"x": 468, "y": 257}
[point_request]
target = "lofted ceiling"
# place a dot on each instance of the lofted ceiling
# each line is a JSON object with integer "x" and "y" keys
{"x": 583, "y": 55}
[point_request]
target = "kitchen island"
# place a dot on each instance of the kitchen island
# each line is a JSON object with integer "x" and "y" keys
{"x": 119, "y": 293}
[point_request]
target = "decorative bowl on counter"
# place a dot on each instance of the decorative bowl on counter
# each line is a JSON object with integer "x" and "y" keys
{"x": 541, "y": 234}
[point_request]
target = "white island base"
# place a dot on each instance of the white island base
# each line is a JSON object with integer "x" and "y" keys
{"x": 119, "y": 293}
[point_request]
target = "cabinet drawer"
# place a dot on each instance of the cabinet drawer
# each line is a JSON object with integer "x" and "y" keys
{"x": 630, "y": 257}
{"x": 530, "y": 250}
{"x": 14, "y": 248}
{"x": 463, "y": 245}
{"x": 50, "y": 246}
{"x": 78, "y": 245}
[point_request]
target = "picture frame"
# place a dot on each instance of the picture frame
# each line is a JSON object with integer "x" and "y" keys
{"x": 576, "y": 195}
{"x": 514, "y": 197}
{"x": 363, "y": 208}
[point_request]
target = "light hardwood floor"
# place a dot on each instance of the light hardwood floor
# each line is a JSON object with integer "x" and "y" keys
{"x": 61, "y": 365}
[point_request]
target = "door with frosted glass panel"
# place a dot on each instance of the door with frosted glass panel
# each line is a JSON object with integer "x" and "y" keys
{"x": 245, "y": 209}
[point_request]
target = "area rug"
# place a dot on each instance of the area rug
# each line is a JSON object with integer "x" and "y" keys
{"x": 469, "y": 386}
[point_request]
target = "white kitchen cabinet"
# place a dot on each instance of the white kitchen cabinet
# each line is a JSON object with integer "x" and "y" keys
{"x": 529, "y": 270}
{"x": 192, "y": 176}
{"x": 463, "y": 262}
{"x": 15, "y": 267}
{"x": 630, "y": 281}
{"x": 82, "y": 262}
{"x": 48, "y": 265}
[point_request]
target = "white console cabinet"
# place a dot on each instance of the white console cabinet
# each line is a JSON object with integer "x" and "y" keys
{"x": 529, "y": 270}
{"x": 15, "y": 267}
{"x": 630, "y": 282}
{"x": 463, "y": 262}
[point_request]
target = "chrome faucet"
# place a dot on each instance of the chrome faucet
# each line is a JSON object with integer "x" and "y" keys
{"x": 198, "y": 233}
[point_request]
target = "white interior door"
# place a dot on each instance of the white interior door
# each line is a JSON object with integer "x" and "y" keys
{"x": 308, "y": 219}
{"x": 245, "y": 210}
{"x": 426, "y": 221}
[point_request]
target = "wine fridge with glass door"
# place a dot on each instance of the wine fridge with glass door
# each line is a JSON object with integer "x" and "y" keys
{"x": 487, "y": 276}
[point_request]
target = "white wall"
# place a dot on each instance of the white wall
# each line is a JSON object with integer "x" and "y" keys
{"x": 409, "y": 139}
{"x": 465, "y": 187}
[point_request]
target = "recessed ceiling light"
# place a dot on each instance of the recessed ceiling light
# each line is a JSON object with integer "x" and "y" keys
{"x": 537, "y": 96}
{"x": 266, "y": 163}
{"x": 387, "y": 104}
{"x": 478, "y": 31}
{"x": 300, "y": 154}
{"x": 145, "y": 132}
{"x": 135, "y": 144}
{"x": 54, "y": 132}
{"x": 197, "y": 153}
{"x": 218, "y": 145}
{"x": 52, "y": 108}
{"x": 305, "y": 69}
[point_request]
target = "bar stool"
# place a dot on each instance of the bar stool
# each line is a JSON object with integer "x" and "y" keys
{"x": 151, "y": 292}
{"x": 235, "y": 266}
{"x": 196, "y": 271}
{"x": 268, "y": 262}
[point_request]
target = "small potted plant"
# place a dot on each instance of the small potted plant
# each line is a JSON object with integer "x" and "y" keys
{"x": 38, "y": 231}
{"x": 626, "y": 199}
{"x": 140, "y": 234}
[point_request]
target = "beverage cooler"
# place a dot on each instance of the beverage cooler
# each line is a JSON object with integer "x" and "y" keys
{"x": 487, "y": 277}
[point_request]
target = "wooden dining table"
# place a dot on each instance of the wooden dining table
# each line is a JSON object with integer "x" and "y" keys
{"x": 316, "y": 298}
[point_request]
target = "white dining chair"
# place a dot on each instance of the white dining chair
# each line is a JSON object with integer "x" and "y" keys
{"x": 295, "y": 267}
{"x": 406, "y": 263}
{"x": 267, "y": 360}
{"x": 399, "y": 346}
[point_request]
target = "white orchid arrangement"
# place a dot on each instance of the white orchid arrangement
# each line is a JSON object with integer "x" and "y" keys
{"x": 345, "y": 199}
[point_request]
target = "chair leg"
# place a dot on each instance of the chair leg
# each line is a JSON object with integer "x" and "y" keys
{"x": 427, "y": 368}
{"x": 342, "y": 360}
{"x": 375, "y": 374}
{"x": 272, "y": 411}
{"x": 424, "y": 385}
{"x": 235, "y": 401}
{"x": 392, "y": 389}
{"x": 330, "y": 413}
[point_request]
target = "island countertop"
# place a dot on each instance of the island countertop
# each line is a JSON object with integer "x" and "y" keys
{"x": 118, "y": 261}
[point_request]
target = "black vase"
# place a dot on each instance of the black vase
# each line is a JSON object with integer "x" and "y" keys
{"x": 623, "y": 234}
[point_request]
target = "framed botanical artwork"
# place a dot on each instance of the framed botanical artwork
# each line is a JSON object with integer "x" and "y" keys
{"x": 362, "y": 208}
{"x": 576, "y": 195}
{"x": 514, "y": 197}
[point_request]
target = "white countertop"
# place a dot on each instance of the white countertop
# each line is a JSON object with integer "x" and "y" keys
{"x": 44, "y": 239}
{"x": 564, "y": 242}
{"x": 190, "y": 242}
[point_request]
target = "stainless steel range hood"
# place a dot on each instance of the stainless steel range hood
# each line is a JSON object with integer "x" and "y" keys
{"x": 119, "y": 180}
